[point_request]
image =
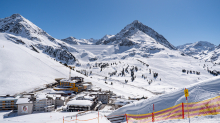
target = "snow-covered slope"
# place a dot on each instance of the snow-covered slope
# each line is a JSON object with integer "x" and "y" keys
{"x": 22, "y": 69}
{"x": 197, "y": 92}
{"x": 126, "y": 37}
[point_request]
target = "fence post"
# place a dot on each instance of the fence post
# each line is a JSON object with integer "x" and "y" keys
{"x": 183, "y": 110}
{"x": 152, "y": 116}
{"x": 126, "y": 117}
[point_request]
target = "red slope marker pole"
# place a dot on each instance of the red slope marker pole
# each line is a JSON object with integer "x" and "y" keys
{"x": 153, "y": 114}
{"x": 183, "y": 110}
{"x": 126, "y": 117}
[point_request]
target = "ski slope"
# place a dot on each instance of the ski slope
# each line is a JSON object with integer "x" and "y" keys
{"x": 197, "y": 92}
{"x": 22, "y": 69}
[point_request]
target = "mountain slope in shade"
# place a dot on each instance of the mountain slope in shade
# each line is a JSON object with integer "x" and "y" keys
{"x": 126, "y": 36}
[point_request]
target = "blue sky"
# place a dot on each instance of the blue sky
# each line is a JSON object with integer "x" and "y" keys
{"x": 179, "y": 21}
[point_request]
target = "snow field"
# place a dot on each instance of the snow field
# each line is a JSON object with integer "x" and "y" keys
{"x": 97, "y": 49}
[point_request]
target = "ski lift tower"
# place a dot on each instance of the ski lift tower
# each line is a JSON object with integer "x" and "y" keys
{"x": 70, "y": 67}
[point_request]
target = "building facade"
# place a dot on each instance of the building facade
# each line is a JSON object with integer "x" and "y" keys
{"x": 8, "y": 103}
{"x": 25, "y": 106}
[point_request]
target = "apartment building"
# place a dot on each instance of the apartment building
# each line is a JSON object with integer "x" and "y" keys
{"x": 8, "y": 102}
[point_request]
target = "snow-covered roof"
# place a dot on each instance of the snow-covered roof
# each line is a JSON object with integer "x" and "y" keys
{"x": 67, "y": 80}
{"x": 86, "y": 84}
{"x": 23, "y": 101}
{"x": 52, "y": 96}
{"x": 62, "y": 87}
{"x": 41, "y": 96}
{"x": 49, "y": 106}
{"x": 7, "y": 98}
{"x": 89, "y": 97}
{"x": 96, "y": 93}
{"x": 123, "y": 102}
{"x": 61, "y": 92}
{"x": 84, "y": 103}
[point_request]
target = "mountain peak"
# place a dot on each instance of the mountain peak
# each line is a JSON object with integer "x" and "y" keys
{"x": 135, "y": 21}
{"x": 71, "y": 38}
{"x": 16, "y": 15}
{"x": 204, "y": 43}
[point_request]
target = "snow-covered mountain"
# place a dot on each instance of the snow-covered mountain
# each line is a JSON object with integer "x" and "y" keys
{"x": 128, "y": 36}
{"x": 73, "y": 41}
{"x": 201, "y": 50}
{"x": 20, "y": 26}
{"x": 19, "y": 30}
{"x": 196, "y": 48}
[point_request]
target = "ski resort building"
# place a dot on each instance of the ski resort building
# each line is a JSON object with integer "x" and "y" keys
{"x": 8, "y": 102}
{"x": 80, "y": 105}
{"x": 25, "y": 106}
{"x": 49, "y": 108}
{"x": 60, "y": 101}
{"x": 104, "y": 98}
{"x": 68, "y": 85}
{"x": 76, "y": 84}
{"x": 44, "y": 103}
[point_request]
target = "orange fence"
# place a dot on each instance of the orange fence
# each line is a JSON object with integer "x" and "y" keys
{"x": 180, "y": 111}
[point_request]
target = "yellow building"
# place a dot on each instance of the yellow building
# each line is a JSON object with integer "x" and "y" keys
{"x": 69, "y": 85}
